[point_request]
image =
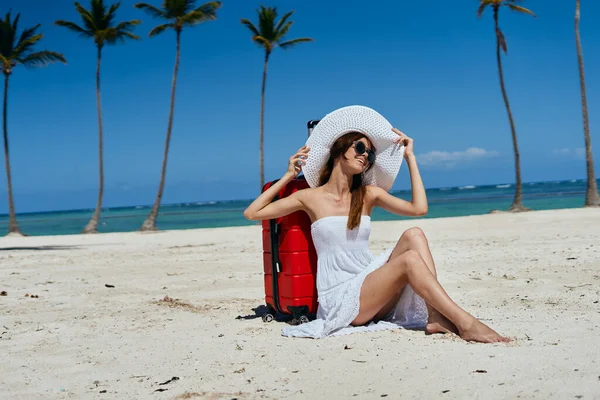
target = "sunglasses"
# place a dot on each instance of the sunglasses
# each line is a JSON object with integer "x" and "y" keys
{"x": 360, "y": 148}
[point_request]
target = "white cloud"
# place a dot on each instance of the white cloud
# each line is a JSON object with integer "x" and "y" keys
{"x": 578, "y": 152}
{"x": 451, "y": 158}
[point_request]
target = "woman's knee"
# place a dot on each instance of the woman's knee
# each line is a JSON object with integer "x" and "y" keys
{"x": 413, "y": 234}
{"x": 409, "y": 259}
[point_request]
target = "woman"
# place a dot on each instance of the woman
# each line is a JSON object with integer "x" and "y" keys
{"x": 349, "y": 177}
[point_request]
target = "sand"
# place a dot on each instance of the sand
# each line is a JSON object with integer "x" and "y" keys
{"x": 533, "y": 276}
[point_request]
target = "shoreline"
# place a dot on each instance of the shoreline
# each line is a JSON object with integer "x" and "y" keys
{"x": 258, "y": 224}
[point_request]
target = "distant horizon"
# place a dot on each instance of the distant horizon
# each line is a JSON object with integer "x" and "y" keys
{"x": 206, "y": 202}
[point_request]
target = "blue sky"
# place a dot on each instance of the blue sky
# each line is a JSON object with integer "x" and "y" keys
{"x": 430, "y": 70}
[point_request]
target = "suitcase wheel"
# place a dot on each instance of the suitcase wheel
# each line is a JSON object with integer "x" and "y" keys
{"x": 267, "y": 317}
{"x": 303, "y": 319}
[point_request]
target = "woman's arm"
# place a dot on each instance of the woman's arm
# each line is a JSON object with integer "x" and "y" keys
{"x": 263, "y": 208}
{"x": 418, "y": 205}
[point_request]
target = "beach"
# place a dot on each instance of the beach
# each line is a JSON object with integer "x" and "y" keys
{"x": 173, "y": 315}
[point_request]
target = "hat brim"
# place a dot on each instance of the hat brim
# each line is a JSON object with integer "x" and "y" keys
{"x": 361, "y": 119}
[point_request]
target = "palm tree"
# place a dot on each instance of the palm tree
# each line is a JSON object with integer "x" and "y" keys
{"x": 592, "y": 198}
{"x": 99, "y": 25}
{"x": 517, "y": 204}
{"x": 18, "y": 51}
{"x": 180, "y": 14}
{"x": 268, "y": 36}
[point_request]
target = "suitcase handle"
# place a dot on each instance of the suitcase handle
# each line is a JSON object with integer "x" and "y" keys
{"x": 311, "y": 124}
{"x": 274, "y": 233}
{"x": 276, "y": 248}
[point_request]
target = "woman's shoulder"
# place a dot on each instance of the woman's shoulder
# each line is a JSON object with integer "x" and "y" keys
{"x": 374, "y": 194}
{"x": 373, "y": 190}
{"x": 306, "y": 192}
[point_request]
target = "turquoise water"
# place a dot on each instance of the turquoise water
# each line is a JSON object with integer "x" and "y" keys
{"x": 443, "y": 202}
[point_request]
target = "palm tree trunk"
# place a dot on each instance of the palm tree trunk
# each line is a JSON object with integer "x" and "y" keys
{"x": 517, "y": 204}
{"x": 13, "y": 227}
{"x": 262, "y": 123}
{"x": 92, "y": 226}
{"x": 150, "y": 222}
{"x": 592, "y": 198}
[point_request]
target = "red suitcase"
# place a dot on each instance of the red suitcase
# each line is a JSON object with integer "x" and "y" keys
{"x": 290, "y": 260}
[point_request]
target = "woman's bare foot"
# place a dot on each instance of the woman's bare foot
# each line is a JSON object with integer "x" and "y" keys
{"x": 437, "y": 323}
{"x": 477, "y": 331}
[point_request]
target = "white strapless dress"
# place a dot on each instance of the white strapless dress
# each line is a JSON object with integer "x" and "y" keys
{"x": 344, "y": 260}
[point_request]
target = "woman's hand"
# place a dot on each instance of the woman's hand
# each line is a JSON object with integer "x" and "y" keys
{"x": 407, "y": 142}
{"x": 297, "y": 161}
{"x": 263, "y": 207}
{"x": 418, "y": 205}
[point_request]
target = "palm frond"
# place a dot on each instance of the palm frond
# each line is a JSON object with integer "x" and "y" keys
{"x": 113, "y": 35}
{"x": 177, "y": 8}
{"x": 74, "y": 27}
{"x": 42, "y": 58}
{"x": 108, "y": 18}
{"x": 282, "y": 21}
{"x": 266, "y": 22}
{"x": 279, "y": 34}
{"x": 7, "y": 35}
{"x": 123, "y": 35}
{"x": 27, "y": 39}
{"x": 24, "y": 47}
{"x": 4, "y": 62}
{"x": 97, "y": 9}
{"x": 160, "y": 29}
{"x": 520, "y": 9}
{"x": 151, "y": 10}
{"x": 482, "y": 7}
{"x": 15, "y": 21}
{"x": 193, "y": 18}
{"x": 250, "y": 26}
{"x": 113, "y": 9}
{"x": 127, "y": 26}
{"x": 263, "y": 42}
{"x": 209, "y": 8}
{"x": 290, "y": 43}
{"x": 102, "y": 18}
{"x": 206, "y": 12}
{"x": 87, "y": 17}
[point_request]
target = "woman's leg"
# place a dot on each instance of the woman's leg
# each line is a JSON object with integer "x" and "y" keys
{"x": 415, "y": 239}
{"x": 386, "y": 282}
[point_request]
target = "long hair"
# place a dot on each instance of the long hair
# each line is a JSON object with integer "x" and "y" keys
{"x": 357, "y": 189}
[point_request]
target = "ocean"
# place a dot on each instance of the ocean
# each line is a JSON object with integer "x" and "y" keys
{"x": 443, "y": 202}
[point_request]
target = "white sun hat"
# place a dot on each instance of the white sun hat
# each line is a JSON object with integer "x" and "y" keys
{"x": 361, "y": 119}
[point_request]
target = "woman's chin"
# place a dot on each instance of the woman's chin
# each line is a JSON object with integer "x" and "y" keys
{"x": 359, "y": 168}
{"x": 352, "y": 169}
